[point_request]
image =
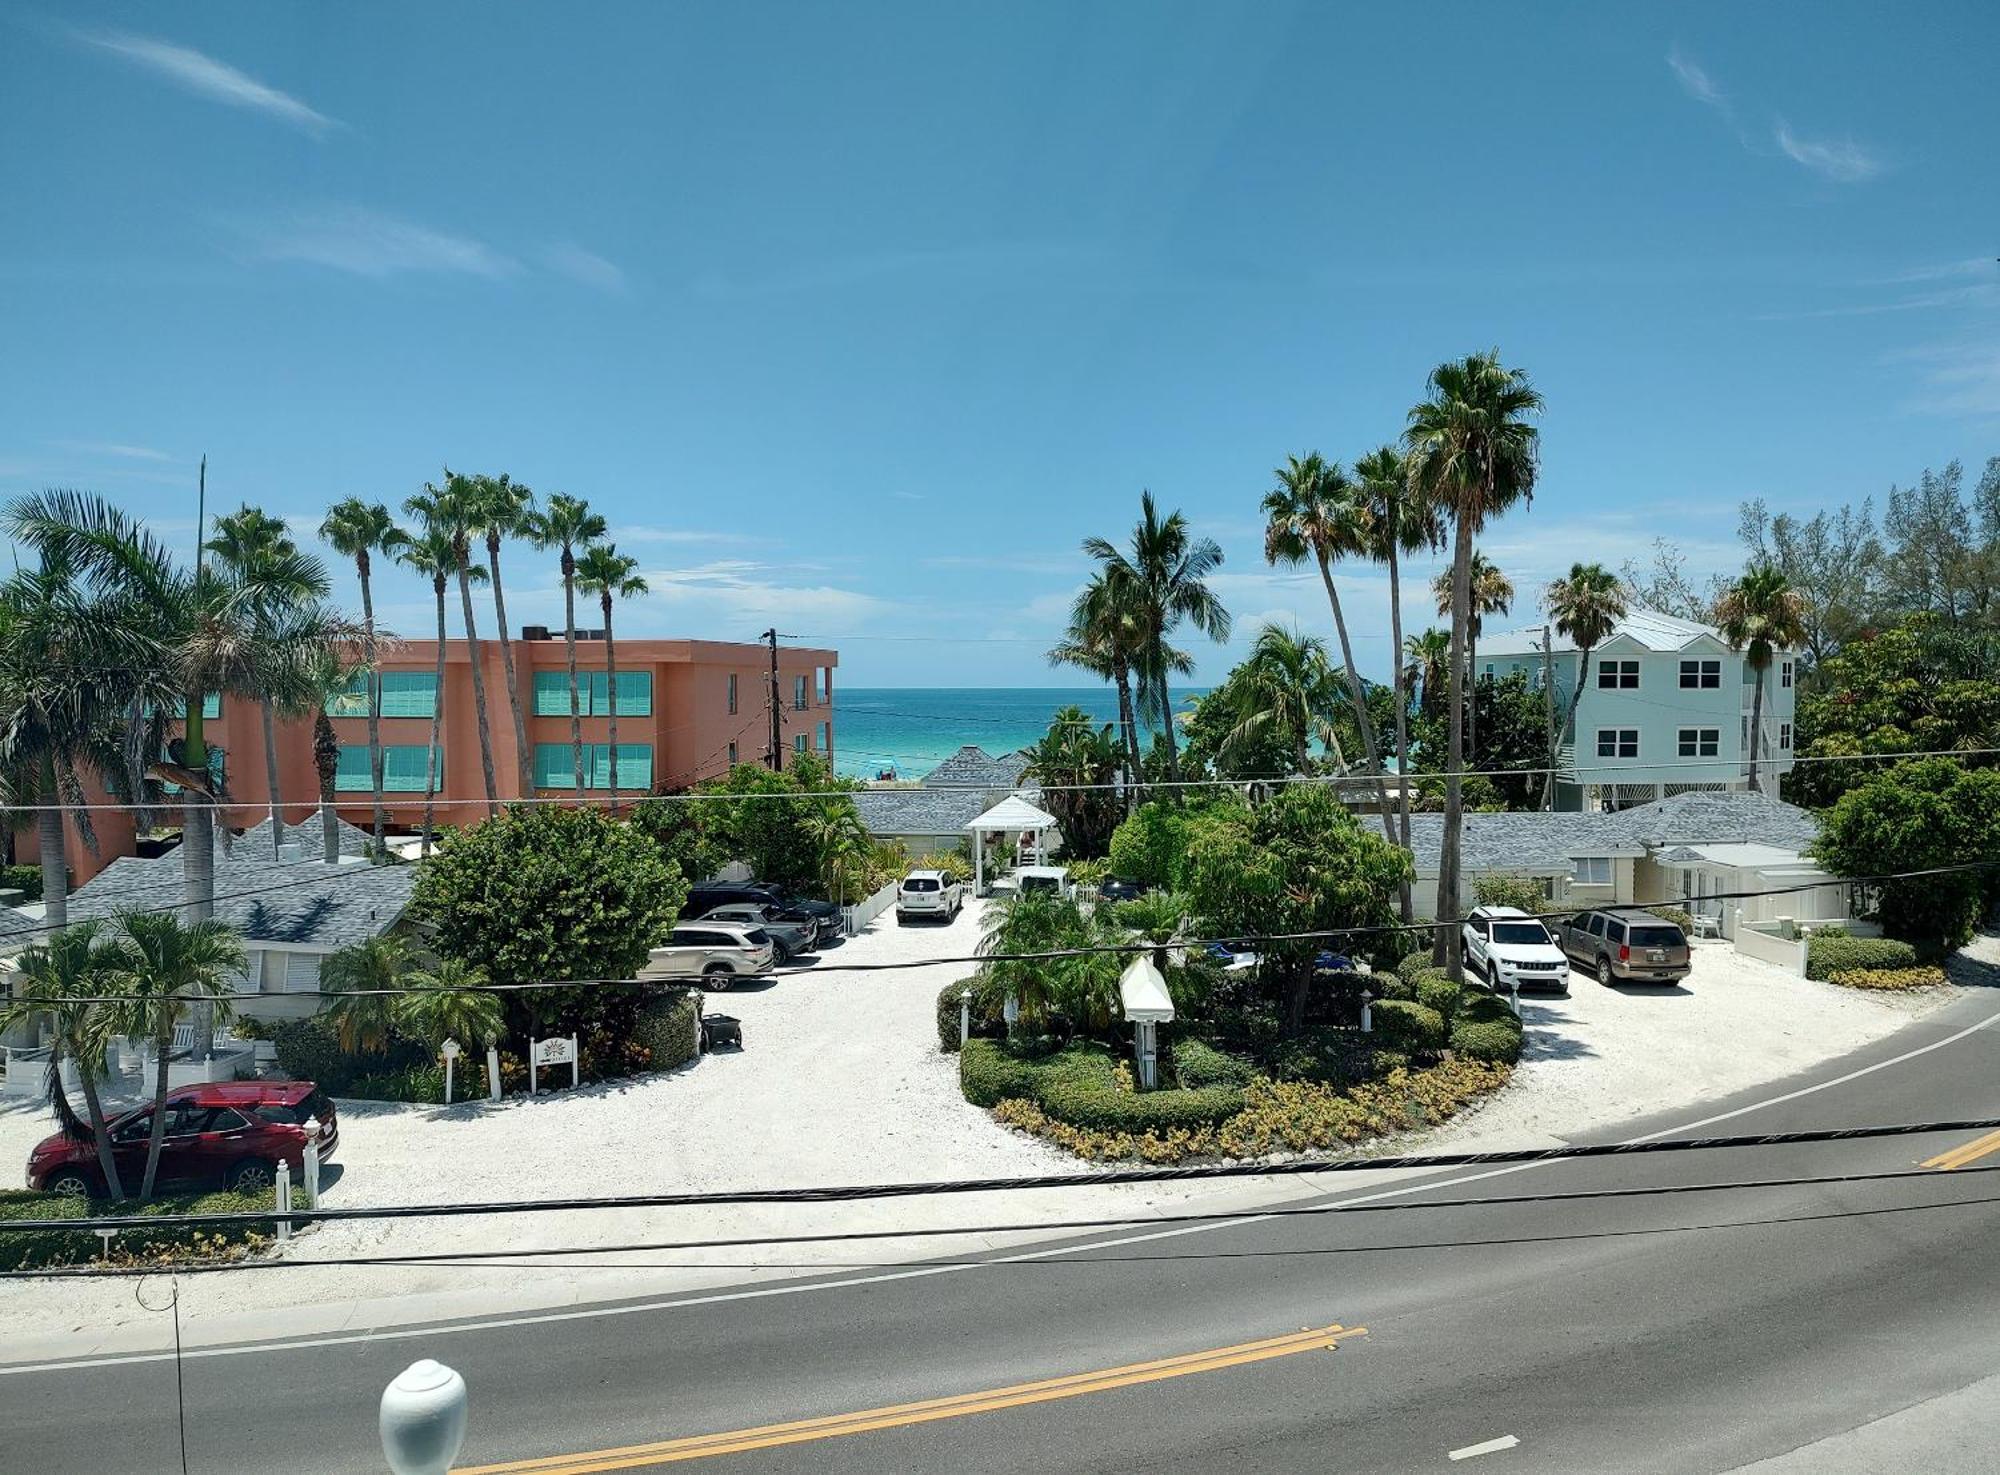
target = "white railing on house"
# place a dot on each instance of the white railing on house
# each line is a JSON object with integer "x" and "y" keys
{"x": 858, "y": 916}
{"x": 1768, "y": 942}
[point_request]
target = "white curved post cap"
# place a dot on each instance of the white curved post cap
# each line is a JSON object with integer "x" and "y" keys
{"x": 423, "y": 1419}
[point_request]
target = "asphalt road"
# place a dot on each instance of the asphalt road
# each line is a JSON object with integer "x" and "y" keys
{"x": 1821, "y": 1328}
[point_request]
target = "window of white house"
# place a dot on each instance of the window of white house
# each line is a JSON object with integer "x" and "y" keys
{"x": 1785, "y": 736}
{"x": 1785, "y": 674}
{"x": 1701, "y": 675}
{"x": 1590, "y": 870}
{"x": 1618, "y": 675}
{"x": 1618, "y": 742}
{"x": 732, "y": 693}
{"x": 1700, "y": 742}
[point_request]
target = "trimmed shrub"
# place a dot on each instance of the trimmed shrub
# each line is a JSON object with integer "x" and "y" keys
{"x": 1525, "y": 892}
{"x": 668, "y": 1028}
{"x": 1411, "y": 1028}
{"x": 1893, "y": 980}
{"x": 423, "y": 1083}
{"x": 1411, "y": 962}
{"x": 1436, "y": 990}
{"x": 1197, "y": 1065}
{"x": 989, "y": 1073}
{"x": 1826, "y": 956}
{"x": 1485, "y": 1029}
{"x": 984, "y": 1020}
{"x": 308, "y": 1050}
{"x": 1675, "y": 915}
{"x": 1102, "y": 1107}
{"x": 1331, "y": 1057}
{"x": 1394, "y": 986}
{"x": 25, "y": 879}
{"x": 31, "y": 1249}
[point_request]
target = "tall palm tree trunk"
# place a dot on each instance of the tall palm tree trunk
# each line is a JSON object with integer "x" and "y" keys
{"x": 437, "y": 716}
{"x": 1406, "y": 906}
{"x": 163, "y": 1049}
{"x": 270, "y": 725}
{"x": 523, "y": 758}
{"x": 1756, "y": 726}
{"x": 100, "y": 1134}
{"x": 611, "y": 692}
{"x": 1128, "y": 725}
{"x": 1355, "y": 694}
{"x": 374, "y": 704}
{"x": 326, "y": 759}
{"x": 569, "y": 640}
{"x": 197, "y": 861}
{"x": 1472, "y": 692}
{"x": 49, "y": 839}
{"x": 478, "y": 693}
{"x": 1167, "y": 713}
{"x": 1445, "y": 942}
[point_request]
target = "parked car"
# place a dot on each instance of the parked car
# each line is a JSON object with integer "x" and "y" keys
{"x": 708, "y": 895}
{"x": 795, "y": 903}
{"x": 1508, "y": 948}
{"x": 1043, "y": 880}
{"x": 230, "y": 1132}
{"x": 929, "y": 894}
{"x": 1234, "y": 956}
{"x": 1627, "y": 943}
{"x": 715, "y": 954}
{"x": 789, "y": 935}
{"x": 1117, "y": 888}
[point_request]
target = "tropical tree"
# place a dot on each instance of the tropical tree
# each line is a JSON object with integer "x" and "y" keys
{"x": 363, "y": 978}
{"x": 1316, "y": 511}
{"x": 450, "y": 999}
{"x": 59, "y": 984}
{"x": 1585, "y": 606}
{"x": 568, "y": 523}
{"x": 1075, "y": 761}
{"x": 1287, "y": 686}
{"x": 1399, "y": 522}
{"x": 1426, "y": 660}
{"x": 171, "y": 965}
{"x": 500, "y": 509}
{"x": 1167, "y": 570}
{"x": 611, "y": 576}
{"x": 840, "y": 842}
{"x": 1104, "y": 637}
{"x": 1492, "y": 594}
{"x": 450, "y": 513}
{"x": 1761, "y": 614}
{"x": 433, "y": 554}
{"x": 1081, "y": 986}
{"x": 1472, "y": 455}
{"x": 359, "y": 530}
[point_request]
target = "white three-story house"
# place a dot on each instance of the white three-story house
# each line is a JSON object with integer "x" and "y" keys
{"x": 1665, "y": 710}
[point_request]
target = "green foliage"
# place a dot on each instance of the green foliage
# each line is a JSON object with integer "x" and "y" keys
{"x": 1197, "y": 1064}
{"x": 1103, "y": 1107}
{"x": 546, "y": 892}
{"x": 668, "y": 1028}
{"x": 309, "y": 1050}
{"x": 1927, "y": 813}
{"x": 1677, "y": 916}
{"x": 1149, "y": 845}
{"x": 1413, "y": 1029}
{"x": 1082, "y": 988}
{"x": 686, "y": 838}
{"x": 1329, "y": 1055}
{"x": 1436, "y": 990}
{"x": 362, "y": 1017}
{"x": 989, "y": 1073}
{"x": 1410, "y": 963}
{"x": 1087, "y": 872}
{"x": 1513, "y": 727}
{"x": 447, "y": 1001}
{"x": 422, "y": 1081}
{"x": 1395, "y": 986}
{"x": 956, "y": 864}
{"x": 1894, "y": 980}
{"x": 1078, "y": 761}
{"x": 986, "y": 1019}
{"x": 780, "y": 838}
{"x": 25, "y": 879}
{"x": 1826, "y": 956}
{"x": 1527, "y": 893}
{"x": 1486, "y": 1029}
{"x": 26, "y": 1249}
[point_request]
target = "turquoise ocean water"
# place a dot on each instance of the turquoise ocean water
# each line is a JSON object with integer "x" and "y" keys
{"x": 913, "y": 728}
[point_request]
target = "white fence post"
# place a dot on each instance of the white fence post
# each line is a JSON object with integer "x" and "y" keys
{"x": 312, "y": 1165}
{"x": 284, "y": 1198}
{"x": 575, "y": 1064}
{"x": 492, "y": 1072}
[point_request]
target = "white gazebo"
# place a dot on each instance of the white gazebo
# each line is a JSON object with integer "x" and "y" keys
{"x": 1008, "y": 816}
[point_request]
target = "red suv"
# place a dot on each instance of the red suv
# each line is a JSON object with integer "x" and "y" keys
{"x": 234, "y": 1132}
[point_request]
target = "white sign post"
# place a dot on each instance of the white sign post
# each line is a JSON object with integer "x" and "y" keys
{"x": 552, "y": 1052}
{"x": 450, "y": 1051}
{"x": 492, "y": 1072}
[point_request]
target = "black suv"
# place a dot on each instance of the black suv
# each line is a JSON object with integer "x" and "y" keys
{"x": 711, "y": 894}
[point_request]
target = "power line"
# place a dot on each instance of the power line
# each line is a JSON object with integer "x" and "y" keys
{"x": 869, "y": 1192}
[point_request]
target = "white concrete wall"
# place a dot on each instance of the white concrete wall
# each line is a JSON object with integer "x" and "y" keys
{"x": 1780, "y": 952}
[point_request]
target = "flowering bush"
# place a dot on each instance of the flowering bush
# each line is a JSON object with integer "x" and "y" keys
{"x": 1890, "y": 979}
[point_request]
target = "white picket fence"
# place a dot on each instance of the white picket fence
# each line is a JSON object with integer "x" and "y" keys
{"x": 858, "y": 916}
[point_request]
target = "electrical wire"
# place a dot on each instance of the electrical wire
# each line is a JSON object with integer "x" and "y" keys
{"x": 852, "y": 1193}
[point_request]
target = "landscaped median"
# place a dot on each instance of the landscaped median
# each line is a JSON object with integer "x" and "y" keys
{"x": 170, "y": 1245}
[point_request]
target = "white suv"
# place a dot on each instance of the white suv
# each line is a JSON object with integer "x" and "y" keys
{"x": 715, "y": 954}
{"x": 1507, "y": 947}
{"x": 929, "y": 894}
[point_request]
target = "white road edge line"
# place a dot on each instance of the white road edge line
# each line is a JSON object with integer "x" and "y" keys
{"x": 586, "y": 1313}
{"x": 1490, "y": 1447}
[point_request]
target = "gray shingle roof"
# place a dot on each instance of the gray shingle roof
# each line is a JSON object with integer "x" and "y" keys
{"x": 1712, "y": 816}
{"x": 973, "y": 767}
{"x": 919, "y": 811}
{"x": 305, "y": 902}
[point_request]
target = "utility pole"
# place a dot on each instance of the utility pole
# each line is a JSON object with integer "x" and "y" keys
{"x": 777, "y": 751}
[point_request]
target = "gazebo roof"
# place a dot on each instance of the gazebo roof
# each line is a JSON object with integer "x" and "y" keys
{"x": 1013, "y": 813}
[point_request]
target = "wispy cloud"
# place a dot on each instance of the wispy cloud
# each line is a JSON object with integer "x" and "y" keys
{"x": 586, "y": 268}
{"x": 1841, "y": 160}
{"x": 734, "y": 592}
{"x": 197, "y": 72}
{"x": 113, "y": 448}
{"x": 1696, "y": 82}
{"x": 1982, "y": 294}
{"x": 645, "y": 533}
{"x": 1958, "y": 380}
{"x": 367, "y": 243}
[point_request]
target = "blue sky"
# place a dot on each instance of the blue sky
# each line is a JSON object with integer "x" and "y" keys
{"x": 859, "y": 317}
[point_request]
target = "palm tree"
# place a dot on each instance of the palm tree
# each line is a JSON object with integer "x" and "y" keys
{"x": 360, "y": 977}
{"x": 1104, "y": 637}
{"x": 1426, "y": 659}
{"x": 610, "y": 575}
{"x": 172, "y": 964}
{"x": 569, "y": 524}
{"x": 434, "y": 554}
{"x": 1472, "y": 455}
{"x": 1492, "y": 594}
{"x": 358, "y": 530}
{"x": 450, "y": 512}
{"x": 1761, "y": 614}
{"x": 1315, "y": 512}
{"x": 1075, "y": 762}
{"x": 839, "y": 838}
{"x": 501, "y": 510}
{"x": 1168, "y": 568}
{"x": 56, "y": 984}
{"x": 322, "y": 676}
{"x": 448, "y": 1000}
{"x": 1286, "y": 683}
{"x": 1399, "y": 522}
{"x": 1586, "y": 607}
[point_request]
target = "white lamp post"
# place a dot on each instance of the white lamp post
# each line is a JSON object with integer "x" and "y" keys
{"x": 964, "y": 1016}
{"x": 451, "y": 1051}
{"x": 423, "y": 1419}
{"x": 1142, "y": 989}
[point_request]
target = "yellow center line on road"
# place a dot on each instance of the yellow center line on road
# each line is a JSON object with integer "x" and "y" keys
{"x": 1074, "y": 1385}
{"x": 1970, "y": 1152}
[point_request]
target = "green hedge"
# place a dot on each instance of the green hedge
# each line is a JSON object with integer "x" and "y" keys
{"x": 1410, "y": 1028}
{"x": 33, "y": 1249}
{"x": 1436, "y": 990}
{"x": 985, "y": 1020}
{"x": 1079, "y": 1085}
{"x": 1826, "y": 956}
{"x": 669, "y": 1028}
{"x": 989, "y": 1073}
{"x": 1486, "y": 1029}
{"x": 25, "y": 879}
{"x": 1524, "y": 892}
{"x": 1197, "y": 1064}
{"x": 418, "y": 1083}
{"x": 1411, "y": 962}
{"x": 309, "y": 1051}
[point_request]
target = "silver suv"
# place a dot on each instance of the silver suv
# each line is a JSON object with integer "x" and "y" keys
{"x": 714, "y": 953}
